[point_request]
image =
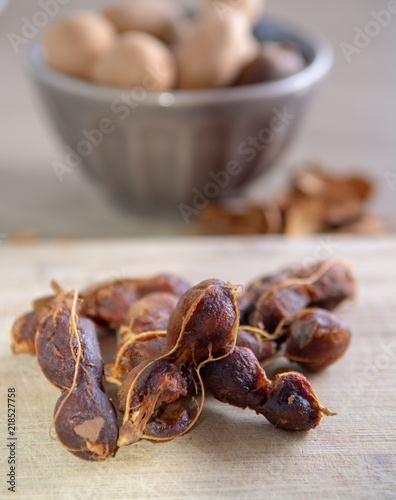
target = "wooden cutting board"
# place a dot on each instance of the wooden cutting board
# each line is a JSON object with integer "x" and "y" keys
{"x": 230, "y": 453}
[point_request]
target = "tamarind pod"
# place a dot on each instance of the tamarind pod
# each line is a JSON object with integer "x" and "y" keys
{"x": 68, "y": 354}
{"x": 316, "y": 338}
{"x": 162, "y": 398}
{"x": 288, "y": 402}
{"x": 109, "y": 302}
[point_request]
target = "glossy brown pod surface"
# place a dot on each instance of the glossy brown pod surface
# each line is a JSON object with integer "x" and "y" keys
{"x": 316, "y": 339}
{"x": 237, "y": 379}
{"x": 203, "y": 322}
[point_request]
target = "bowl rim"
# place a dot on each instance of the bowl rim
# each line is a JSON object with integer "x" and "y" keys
{"x": 312, "y": 73}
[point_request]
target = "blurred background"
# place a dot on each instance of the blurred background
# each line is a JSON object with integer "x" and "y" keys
{"x": 350, "y": 129}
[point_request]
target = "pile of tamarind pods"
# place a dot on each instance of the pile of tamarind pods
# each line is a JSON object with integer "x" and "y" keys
{"x": 175, "y": 343}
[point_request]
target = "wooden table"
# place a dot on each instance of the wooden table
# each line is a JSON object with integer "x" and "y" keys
{"x": 230, "y": 453}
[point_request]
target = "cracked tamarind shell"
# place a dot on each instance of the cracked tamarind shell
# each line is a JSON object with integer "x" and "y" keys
{"x": 160, "y": 398}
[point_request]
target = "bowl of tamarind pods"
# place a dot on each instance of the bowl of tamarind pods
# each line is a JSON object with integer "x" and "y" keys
{"x": 165, "y": 105}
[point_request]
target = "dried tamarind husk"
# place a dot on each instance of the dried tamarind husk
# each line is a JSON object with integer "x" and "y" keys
{"x": 235, "y": 216}
{"x": 342, "y": 199}
{"x": 161, "y": 401}
{"x": 163, "y": 397}
{"x": 68, "y": 354}
{"x": 288, "y": 402}
{"x": 109, "y": 302}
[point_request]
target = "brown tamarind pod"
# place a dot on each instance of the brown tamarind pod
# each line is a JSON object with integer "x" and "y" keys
{"x": 316, "y": 338}
{"x": 278, "y": 304}
{"x": 326, "y": 284}
{"x": 23, "y": 331}
{"x": 288, "y": 402}
{"x": 205, "y": 320}
{"x": 139, "y": 340}
{"x": 162, "y": 283}
{"x": 150, "y": 313}
{"x": 109, "y": 302}
{"x": 237, "y": 379}
{"x": 292, "y": 404}
{"x": 69, "y": 356}
{"x": 247, "y": 302}
{"x": 334, "y": 284}
{"x": 162, "y": 398}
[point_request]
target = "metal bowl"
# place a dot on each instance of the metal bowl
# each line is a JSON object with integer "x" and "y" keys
{"x": 154, "y": 151}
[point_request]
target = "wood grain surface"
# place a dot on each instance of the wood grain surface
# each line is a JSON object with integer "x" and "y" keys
{"x": 230, "y": 453}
